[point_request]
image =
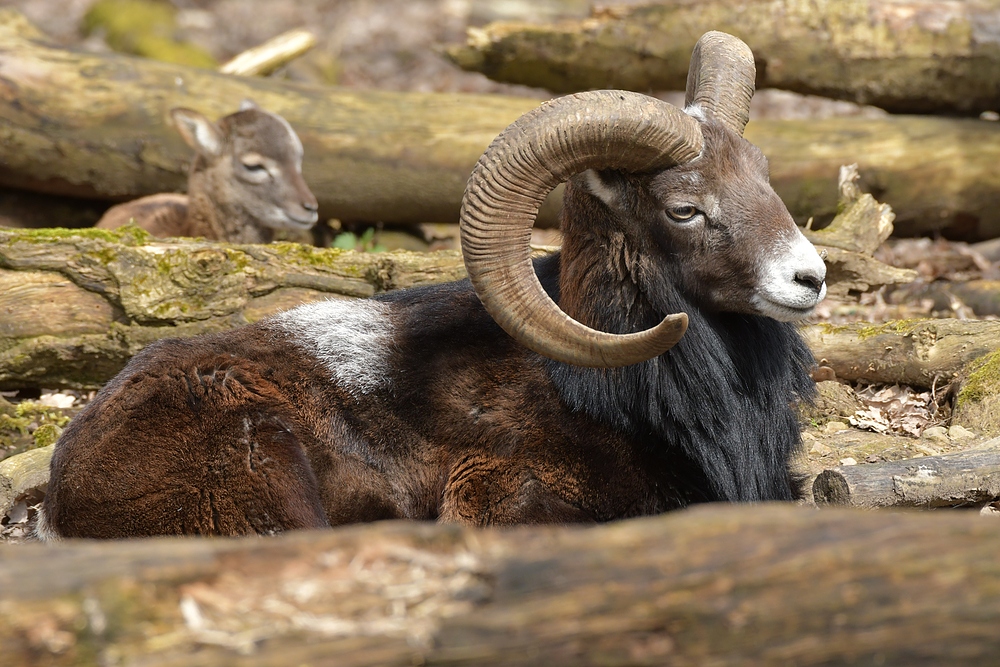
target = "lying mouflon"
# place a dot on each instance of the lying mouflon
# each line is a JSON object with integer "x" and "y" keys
{"x": 245, "y": 182}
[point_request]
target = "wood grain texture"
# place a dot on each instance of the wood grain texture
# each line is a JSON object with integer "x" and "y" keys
{"x": 721, "y": 585}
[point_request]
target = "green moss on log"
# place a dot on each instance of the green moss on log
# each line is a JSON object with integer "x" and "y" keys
{"x": 129, "y": 235}
{"x": 29, "y": 425}
{"x": 977, "y": 406}
{"x": 983, "y": 380}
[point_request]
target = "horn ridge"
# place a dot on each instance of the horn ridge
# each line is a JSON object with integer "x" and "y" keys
{"x": 721, "y": 79}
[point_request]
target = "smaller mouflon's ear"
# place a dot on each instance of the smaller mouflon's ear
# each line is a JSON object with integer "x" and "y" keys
{"x": 248, "y": 104}
{"x": 198, "y": 132}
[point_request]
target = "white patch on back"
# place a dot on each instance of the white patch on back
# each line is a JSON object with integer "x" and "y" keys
{"x": 352, "y": 338}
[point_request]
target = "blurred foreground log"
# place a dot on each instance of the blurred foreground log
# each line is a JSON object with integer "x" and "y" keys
{"x": 95, "y": 125}
{"x": 718, "y": 585}
{"x": 962, "y": 479}
{"x": 77, "y": 304}
{"x": 906, "y": 56}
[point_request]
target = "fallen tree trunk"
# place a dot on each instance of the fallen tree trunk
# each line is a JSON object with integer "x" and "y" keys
{"x": 906, "y": 57}
{"x": 95, "y": 125}
{"x": 715, "y": 585}
{"x": 963, "y": 479}
{"x": 77, "y": 304}
{"x": 921, "y": 353}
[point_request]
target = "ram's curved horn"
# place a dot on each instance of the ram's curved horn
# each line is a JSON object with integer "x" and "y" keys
{"x": 721, "y": 79}
{"x": 605, "y": 129}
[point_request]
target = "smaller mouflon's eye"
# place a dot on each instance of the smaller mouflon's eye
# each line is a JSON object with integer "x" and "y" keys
{"x": 682, "y": 213}
{"x": 254, "y": 166}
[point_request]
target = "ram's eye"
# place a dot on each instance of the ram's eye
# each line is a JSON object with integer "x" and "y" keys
{"x": 254, "y": 166}
{"x": 682, "y": 213}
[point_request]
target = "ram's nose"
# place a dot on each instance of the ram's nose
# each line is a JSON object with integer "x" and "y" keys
{"x": 811, "y": 278}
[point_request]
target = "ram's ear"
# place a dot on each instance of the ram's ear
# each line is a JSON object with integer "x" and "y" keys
{"x": 606, "y": 185}
{"x": 198, "y": 132}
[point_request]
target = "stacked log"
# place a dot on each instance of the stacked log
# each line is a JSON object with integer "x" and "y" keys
{"x": 96, "y": 125}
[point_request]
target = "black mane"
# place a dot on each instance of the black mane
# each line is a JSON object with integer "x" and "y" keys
{"x": 724, "y": 395}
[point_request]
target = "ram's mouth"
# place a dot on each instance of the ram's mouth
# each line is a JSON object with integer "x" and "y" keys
{"x": 782, "y": 311}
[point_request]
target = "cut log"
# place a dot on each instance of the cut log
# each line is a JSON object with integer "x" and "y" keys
{"x": 920, "y": 353}
{"x": 718, "y": 585}
{"x": 95, "y": 125}
{"x": 946, "y": 189}
{"x": 906, "y": 56}
{"x": 964, "y": 479}
{"x": 22, "y": 473}
{"x": 77, "y": 304}
{"x": 861, "y": 225}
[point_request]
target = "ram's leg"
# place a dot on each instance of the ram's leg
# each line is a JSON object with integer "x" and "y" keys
{"x": 483, "y": 490}
{"x": 211, "y": 449}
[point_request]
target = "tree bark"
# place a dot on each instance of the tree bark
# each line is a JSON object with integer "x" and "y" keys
{"x": 963, "y": 479}
{"x": 95, "y": 125}
{"x": 77, "y": 304}
{"x": 921, "y": 353}
{"x": 714, "y": 585}
{"x": 906, "y": 57}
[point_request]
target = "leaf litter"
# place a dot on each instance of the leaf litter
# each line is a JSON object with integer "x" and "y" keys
{"x": 896, "y": 409}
